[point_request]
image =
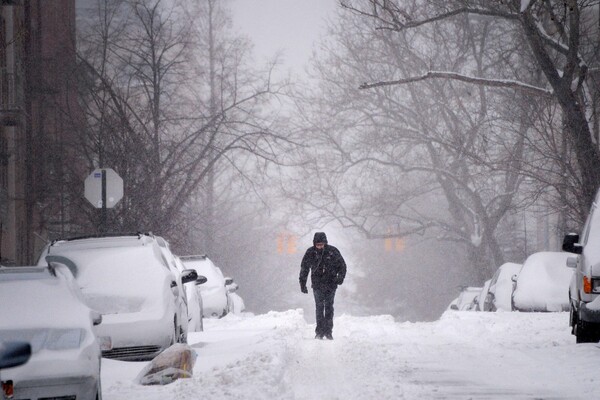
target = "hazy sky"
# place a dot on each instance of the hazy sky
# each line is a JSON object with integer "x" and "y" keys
{"x": 288, "y": 25}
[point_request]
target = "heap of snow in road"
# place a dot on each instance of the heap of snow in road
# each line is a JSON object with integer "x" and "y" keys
{"x": 463, "y": 355}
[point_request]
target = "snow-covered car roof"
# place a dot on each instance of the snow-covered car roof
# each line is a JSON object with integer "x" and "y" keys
{"x": 36, "y": 297}
{"x": 543, "y": 282}
{"x": 117, "y": 274}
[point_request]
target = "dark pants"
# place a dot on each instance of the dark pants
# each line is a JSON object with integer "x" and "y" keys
{"x": 324, "y": 297}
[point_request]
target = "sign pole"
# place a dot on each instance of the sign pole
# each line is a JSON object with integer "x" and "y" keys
{"x": 103, "y": 215}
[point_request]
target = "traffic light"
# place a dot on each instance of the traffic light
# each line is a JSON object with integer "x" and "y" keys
{"x": 287, "y": 243}
{"x": 388, "y": 244}
{"x": 394, "y": 244}
{"x": 291, "y": 244}
{"x": 400, "y": 245}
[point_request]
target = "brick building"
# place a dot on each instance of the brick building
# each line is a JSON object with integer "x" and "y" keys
{"x": 37, "y": 135}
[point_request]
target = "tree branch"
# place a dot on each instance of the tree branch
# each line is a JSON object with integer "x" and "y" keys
{"x": 501, "y": 83}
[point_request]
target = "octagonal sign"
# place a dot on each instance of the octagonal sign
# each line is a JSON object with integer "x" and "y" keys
{"x": 93, "y": 187}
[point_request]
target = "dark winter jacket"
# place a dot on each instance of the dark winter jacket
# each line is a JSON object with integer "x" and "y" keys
{"x": 327, "y": 267}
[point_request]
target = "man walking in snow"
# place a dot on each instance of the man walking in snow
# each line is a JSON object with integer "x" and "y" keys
{"x": 327, "y": 270}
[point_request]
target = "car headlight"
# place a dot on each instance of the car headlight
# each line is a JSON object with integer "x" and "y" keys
{"x": 49, "y": 339}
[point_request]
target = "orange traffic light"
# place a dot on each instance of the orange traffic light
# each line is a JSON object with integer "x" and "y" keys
{"x": 400, "y": 245}
{"x": 291, "y": 244}
{"x": 394, "y": 244}
{"x": 388, "y": 244}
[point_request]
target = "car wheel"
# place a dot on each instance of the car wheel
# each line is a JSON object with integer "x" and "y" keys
{"x": 572, "y": 319}
{"x": 587, "y": 332}
{"x": 99, "y": 391}
{"x": 174, "y": 337}
{"x": 182, "y": 335}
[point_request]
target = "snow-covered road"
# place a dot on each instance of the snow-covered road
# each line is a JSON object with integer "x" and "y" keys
{"x": 464, "y": 355}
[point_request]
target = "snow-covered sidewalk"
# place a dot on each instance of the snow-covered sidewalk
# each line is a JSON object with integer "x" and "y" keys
{"x": 463, "y": 355}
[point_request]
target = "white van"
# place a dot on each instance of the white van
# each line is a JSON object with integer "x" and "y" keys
{"x": 584, "y": 290}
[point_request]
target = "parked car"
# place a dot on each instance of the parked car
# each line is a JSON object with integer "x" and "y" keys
{"x": 466, "y": 300}
{"x": 126, "y": 278}
{"x": 499, "y": 296}
{"x": 194, "y": 300}
{"x": 543, "y": 283}
{"x": 584, "y": 288}
{"x": 215, "y": 296}
{"x": 236, "y": 303}
{"x": 190, "y": 297}
{"x": 40, "y": 306}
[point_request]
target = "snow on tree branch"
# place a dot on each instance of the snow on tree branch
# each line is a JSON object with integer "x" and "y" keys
{"x": 501, "y": 83}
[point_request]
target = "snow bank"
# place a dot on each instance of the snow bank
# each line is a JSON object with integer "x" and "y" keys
{"x": 462, "y": 355}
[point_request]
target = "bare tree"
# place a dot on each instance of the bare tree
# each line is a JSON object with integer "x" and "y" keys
{"x": 433, "y": 158}
{"x": 148, "y": 116}
{"x": 562, "y": 38}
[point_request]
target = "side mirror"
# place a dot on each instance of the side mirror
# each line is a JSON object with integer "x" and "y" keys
{"x": 96, "y": 318}
{"x": 201, "y": 279}
{"x": 189, "y": 275}
{"x": 571, "y": 243}
{"x": 13, "y": 354}
{"x": 231, "y": 285}
{"x": 50, "y": 259}
{"x": 572, "y": 262}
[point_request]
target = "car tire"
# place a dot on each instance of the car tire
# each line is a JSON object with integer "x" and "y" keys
{"x": 587, "y": 332}
{"x": 572, "y": 319}
{"x": 99, "y": 390}
{"x": 174, "y": 337}
{"x": 182, "y": 335}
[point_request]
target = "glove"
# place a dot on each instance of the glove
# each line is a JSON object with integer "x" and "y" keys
{"x": 303, "y": 288}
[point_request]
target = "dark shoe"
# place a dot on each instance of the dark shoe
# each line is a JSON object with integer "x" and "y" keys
{"x": 320, "y": 337}
{"x": 328, "y": 336}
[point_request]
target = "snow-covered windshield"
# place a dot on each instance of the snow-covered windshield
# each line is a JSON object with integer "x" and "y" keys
{"x": 40, "y": 302}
